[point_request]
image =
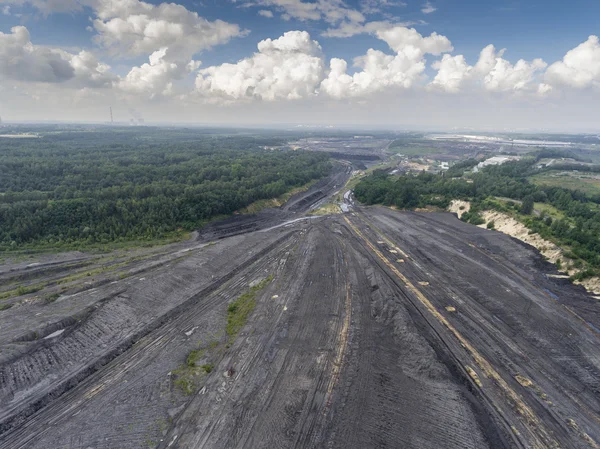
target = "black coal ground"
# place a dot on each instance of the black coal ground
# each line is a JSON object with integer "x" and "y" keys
{"x": 339, "y": 352}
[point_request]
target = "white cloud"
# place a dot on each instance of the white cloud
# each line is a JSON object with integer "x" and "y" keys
{"x": 502, "y": 75}
{"x": 544, "y": 89}
{"x": 349, "y": 29}
{"x": 492, "y": 71}
{"x": 132, "y": 27}
{"x": 156, "y": 77}
{"x": 381, "y": 71}
{"x": 6, "y": 10}
{"x": 428, "y": 8}
{"x": 47, "y": 7}
{"x": 169, "y": 33}
{"x": 265, "y": 13}
{"x": 21, "y": 60}
{"x": 378, "y": 6}
{"x": 452, "y": 73}
{"x": 402, "y": 39}
{"x": 580, "y": 68}
{"x": 288, "y": 68}
{"x": 331, "y": 11}
{"x": 89, "y": 72}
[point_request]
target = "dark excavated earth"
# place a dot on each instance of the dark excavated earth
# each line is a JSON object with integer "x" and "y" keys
{"x": 376, "y": 329}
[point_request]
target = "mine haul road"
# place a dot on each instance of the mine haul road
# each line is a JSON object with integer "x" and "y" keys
{"x": 374, "y": 329}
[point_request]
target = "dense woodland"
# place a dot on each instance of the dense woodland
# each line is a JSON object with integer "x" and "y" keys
{"x": 76, "y": 189}
{"x": 578, "y": 227}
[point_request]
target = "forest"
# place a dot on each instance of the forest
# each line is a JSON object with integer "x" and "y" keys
{"x": 577, "y": 228}
{"x": 76, "y": 189}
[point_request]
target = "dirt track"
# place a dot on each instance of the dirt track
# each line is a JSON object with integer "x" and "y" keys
{"x": 380, "y": 329}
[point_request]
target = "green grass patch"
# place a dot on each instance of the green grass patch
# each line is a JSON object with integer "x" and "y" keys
{"x": 208, "y": 367}
{"x": 5, "y": 306}
{"x": 52, "y": 297}
{"x": 22, "y": 290}
{"x": 41, "y": 247}
{"x": 188, "y": 377}
{"x": 257, "y": 206}
{"x": 239, "y": 310}
{"x": 327, "y": 209}
{"x": 193, "y": 357}
{"x": 581, "y": 181}
{"x": 549, "y": 211}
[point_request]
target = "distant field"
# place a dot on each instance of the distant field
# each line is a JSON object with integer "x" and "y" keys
{"x": 413, "y": 149}
{"x": 586, "y": 182}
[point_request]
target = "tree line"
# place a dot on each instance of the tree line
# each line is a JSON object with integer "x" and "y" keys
{"x": 579, "y": 229}
{"x": 73, "y": 192}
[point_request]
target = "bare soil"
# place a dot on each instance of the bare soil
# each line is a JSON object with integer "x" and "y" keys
{"x": 379, "y": 329}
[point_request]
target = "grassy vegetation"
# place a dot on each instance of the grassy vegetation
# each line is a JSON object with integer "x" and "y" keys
{"x": 52, "y": 297}
{"x": 21, "y": 290}
{"x": 356, "y": 178}
{"x": 569, "y": 218}
{"x": 208, "y": 367}
{"x": 257, "y": 206}
{"x": 109, "y": 269}
{"x": 549, "y": 211}
{"x": 5, "y": 306}
{"x": 188, "y": 376}
{"x": 327, "y": 209}
{"x": 568, "y": 180}
{"x": 240, "y": 309}
{"x": 101, "y": 248}
{"x": 193, "y": 357}
{"x": 412, "y": 148}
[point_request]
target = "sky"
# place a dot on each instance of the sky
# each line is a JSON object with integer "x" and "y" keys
{"x": 394, "y": 64}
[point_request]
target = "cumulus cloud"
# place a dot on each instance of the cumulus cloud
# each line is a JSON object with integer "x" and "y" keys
{"x": 380, "y": 70}
{"x": 491, "y": 71}
{"x": 452, "y": 73}
{"x": 580, "y": 68}
{"x": 500, "y": 75}
{"x": 155, "y": 77}
{"x": 89, "y": 72}
{"x": 133, "y": 27}
{"x": 21, "y": 60}
{"x": 290, "y": 67}
{"x": 402, "y": 39}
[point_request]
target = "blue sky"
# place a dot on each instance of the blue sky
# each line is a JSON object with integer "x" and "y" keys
{"x": 535, "y": 28}
{"x": 99, "y": 61}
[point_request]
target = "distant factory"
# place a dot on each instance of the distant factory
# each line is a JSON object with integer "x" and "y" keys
{"x": 496, "y": 160}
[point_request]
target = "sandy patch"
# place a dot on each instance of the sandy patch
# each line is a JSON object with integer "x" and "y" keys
{"x": 508, "y": 225}
{"x": 455, "y": 206}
